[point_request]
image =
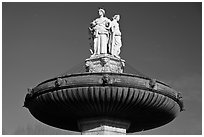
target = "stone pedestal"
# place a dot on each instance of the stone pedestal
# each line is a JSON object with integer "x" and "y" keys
{"x": 105, "y": 126}
{"x": 104, "y": 63}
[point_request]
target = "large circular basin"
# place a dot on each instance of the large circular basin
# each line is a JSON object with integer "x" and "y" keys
{"x": 63, "y": 101}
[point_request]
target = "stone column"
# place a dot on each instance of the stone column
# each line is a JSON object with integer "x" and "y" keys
{"x": 103, "y": 126}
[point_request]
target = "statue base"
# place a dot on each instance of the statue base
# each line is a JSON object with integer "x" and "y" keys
{"x": 104, "y": 63}
{"x": 103, "y": 126}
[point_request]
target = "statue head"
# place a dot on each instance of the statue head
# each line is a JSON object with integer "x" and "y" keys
{"x": 116, "y": 17}
{"x": 101, "y": 12}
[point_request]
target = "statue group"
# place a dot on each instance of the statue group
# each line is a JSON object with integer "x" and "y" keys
{"x": 105, "y": 35}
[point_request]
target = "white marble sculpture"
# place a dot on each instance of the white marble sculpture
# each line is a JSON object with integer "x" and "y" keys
{"x": 100, "y": 31}
{"x": 115, "y": 37}
{"x": 105, "y": 47}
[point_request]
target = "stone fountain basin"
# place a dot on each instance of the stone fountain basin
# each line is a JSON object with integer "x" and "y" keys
{"x": 63, "y": 101}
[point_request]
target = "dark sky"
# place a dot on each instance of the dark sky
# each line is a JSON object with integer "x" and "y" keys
{"x": 42, "y": 40}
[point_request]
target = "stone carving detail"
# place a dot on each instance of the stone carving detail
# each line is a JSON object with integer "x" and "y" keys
{"x": 58, "y": 82}
{"x": 30, "y": 90}
{"x": 180, "y": 98}
{"x": 153, "y": 84}
{"x": 106, "y": 63}
{"x": 106, "y": 79}
{"x": 105, "y": 35}
{"x": 90, "y": 67}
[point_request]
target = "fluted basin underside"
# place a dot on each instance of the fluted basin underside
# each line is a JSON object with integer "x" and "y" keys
{"x": 61, "y": 102}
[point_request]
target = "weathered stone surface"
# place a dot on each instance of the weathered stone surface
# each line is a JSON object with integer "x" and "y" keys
{"x": 62, "y": 102}
{"x": 105, "y": 130}
{"x": 104, "y": 63}
{"x": 103, "y": 126}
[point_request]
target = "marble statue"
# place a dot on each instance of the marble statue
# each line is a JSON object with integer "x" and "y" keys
{"x": 106, "y": 42}
{"x": 115, "y": 37}
{"x": 100, "y": 33}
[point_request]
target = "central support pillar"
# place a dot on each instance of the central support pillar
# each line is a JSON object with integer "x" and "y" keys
{"x": 103, "y": 126}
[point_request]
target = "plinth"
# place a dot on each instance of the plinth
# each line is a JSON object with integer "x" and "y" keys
{"x": 104, "y": 63}
{"x": 103, "y": 126}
